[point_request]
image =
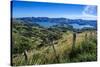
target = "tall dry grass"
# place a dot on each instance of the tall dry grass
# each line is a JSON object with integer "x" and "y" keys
{"x": 84, "y": 50}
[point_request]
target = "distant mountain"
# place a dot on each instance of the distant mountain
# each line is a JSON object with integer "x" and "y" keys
{"x": 57, "y": 21}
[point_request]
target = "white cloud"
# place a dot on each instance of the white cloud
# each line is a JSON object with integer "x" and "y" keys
{"x": 89, "y": 12}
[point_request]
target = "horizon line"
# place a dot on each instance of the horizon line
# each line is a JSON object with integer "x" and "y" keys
{"x": 56, "y": 17}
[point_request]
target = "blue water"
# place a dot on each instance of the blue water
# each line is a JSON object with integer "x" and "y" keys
{"x": 77, "y": 26}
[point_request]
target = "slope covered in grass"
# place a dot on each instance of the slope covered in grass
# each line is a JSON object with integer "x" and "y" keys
{"x": 33, "y": 44}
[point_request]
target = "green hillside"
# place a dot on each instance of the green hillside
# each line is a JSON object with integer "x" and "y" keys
{"x": 33, "y": 44}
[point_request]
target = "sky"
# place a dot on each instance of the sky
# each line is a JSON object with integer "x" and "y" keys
{"x": 53, "y": 10}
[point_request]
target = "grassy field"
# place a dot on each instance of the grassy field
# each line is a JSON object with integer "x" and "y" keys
{"x": 61, "y": 52}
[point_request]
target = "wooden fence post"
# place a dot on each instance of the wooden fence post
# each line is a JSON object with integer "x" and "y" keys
{"x": 86, "y": 36}
{"x": 55, "y": 53}
{"x": 26, "y": 56}
{"x": 52, "y": 44}
{"x": 74, "y": 40}
{"x": 72, "y": 53}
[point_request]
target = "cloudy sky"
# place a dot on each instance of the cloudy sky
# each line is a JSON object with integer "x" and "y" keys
{"x": 40, "y": 9}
